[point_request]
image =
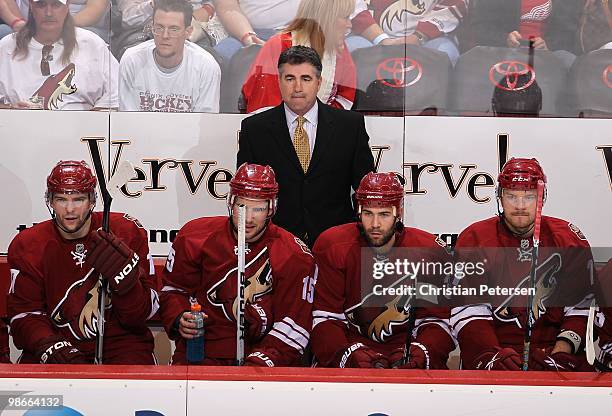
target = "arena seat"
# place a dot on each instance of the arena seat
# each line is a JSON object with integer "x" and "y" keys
{"x": 472, "y": 82}
{"x": 398, "y": 79}
{"x": 233, "y": 77}
{"x": 590, "y": 84}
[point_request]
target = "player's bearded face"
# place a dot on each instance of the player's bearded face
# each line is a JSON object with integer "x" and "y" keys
{"x": 519, "y": 209}
{"x": 256, "y": 217}
{"x": 72, "y": 212}
{"x": 378, "y": 225}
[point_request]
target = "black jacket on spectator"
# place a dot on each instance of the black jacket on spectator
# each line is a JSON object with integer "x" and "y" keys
{"x": 492, "y": 20}
{"x": 310, "y": 203}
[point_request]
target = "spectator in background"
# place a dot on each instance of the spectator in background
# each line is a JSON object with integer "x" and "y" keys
{"x": 428, "y": 23}
{"x": 553, "y": 24}
{"x": 322, "y": 25}
{"x": 136, "y": 17}
{"x": 92, "y": 15}
{"x": 10, "y": 17}
{"x": 41, "y": 66}
{"x": 169, "y": 73}
{"x": 255, "y": 21}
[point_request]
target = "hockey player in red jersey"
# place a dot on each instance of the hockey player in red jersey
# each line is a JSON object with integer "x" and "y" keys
{"x": 491, "y": 330}
{"x": 352, "y": 325}
{"x": 280, "y": 275}
{"x": 55, "y": 265}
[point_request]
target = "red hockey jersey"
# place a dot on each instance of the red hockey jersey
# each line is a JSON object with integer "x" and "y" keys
{"x": 349, "y": 309}
{"x": 604, "y": 317}
{"x": 53, "y": 292}
{"x": 563, "y": 283}
{"x": 202, "y": 264}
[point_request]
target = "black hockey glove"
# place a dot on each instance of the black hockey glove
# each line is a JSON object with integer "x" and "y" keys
{"x": 55, "y": 350}
{"x": 114, "y": 260}
{"x": 359, "y": 356}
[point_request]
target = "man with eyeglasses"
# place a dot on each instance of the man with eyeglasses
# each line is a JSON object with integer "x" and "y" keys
{"x": 169, "y": 73}
{"x": 74, "y": 68}
{"x": 490, "y": 326}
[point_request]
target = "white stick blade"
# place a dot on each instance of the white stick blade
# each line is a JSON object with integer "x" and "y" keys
{"x": 124, "y": 172}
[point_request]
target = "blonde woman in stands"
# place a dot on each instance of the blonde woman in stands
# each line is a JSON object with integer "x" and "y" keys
{"x": 322, "y": 25}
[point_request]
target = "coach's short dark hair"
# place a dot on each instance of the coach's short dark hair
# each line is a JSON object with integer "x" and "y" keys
{"x": 297, "y": 55}
{"x": 180, "y": 6}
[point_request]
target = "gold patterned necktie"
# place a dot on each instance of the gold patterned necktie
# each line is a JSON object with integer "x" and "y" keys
{"x": 301, "y": 144}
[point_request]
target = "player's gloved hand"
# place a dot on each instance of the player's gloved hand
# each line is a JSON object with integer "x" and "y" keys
{"x": 499, "y": 359}
{"x": 419, "y": 357}
{"x": 541, "y": 360}
{"x": 265, "y": 358}
{"x": 258, "y": 318}
{"x": 114, "y": 260}
{"x": 55, "y": 350}
{"x": 358, "y": 355}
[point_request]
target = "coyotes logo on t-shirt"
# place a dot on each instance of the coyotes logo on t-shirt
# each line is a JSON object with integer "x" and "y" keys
{"x": 52, "y": 91}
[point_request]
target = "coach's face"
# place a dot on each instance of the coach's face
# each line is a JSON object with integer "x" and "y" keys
{"x": 299, "y": 85}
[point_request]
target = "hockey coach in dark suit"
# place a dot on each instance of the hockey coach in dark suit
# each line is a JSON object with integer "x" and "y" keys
{"x": 318, "y": 152}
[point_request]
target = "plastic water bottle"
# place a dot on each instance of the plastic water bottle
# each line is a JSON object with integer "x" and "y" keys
{"x": 195, "y": 346}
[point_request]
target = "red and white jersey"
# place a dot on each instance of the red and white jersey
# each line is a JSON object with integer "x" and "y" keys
{"x": 431, "y": 17}
{"x": 563, "y": 281}
{"x": 348, "y": 309}
{"x": 53, "y": 292}
{"x": 203, "y": 263}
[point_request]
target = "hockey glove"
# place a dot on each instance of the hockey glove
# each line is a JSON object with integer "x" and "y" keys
{"x": 540, "y": 360}
{"x": 114, "y": 260}
{"x": 419, "y": 357}
{"x": 359, "y": 356}
{"x": 258, "y": 317}
{"x": 262, "y": 359}
{"x": 499, "y": 359}
{"x": 55, "y": 350}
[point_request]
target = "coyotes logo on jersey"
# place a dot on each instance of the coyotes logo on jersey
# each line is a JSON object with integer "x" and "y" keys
{"x": 258, "y": 283}
{"x": 52, "y": 91}
{"x": 78, "y": 309}
{"x": 546, "y": 285}
{"x": 396, "y": 14}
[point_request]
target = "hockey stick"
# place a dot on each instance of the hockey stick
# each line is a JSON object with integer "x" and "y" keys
{"x": 241, "y": 285}
{"x": 531, "y": 318}
{"x": 124, "y": 172}
{"x": 590, "y": 343}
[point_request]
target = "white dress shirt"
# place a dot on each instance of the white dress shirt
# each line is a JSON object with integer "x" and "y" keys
{"x": 312, "y": 118}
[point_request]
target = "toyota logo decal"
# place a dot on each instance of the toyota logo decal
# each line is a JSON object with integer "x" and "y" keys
{"x": 511, "y": 70}
{"x": 607, "y": 76}
{"x": 399, "y": 72}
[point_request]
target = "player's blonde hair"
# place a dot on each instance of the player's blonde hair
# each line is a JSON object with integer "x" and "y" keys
{"x": 316, "y": 21}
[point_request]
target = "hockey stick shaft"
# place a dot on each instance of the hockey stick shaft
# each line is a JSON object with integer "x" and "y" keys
{"x": 124, "y": 172}
{"x": 241, "y": 283}
{"x": 531, "y": 317}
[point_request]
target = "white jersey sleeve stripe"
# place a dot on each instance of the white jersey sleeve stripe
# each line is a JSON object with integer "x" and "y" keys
{"x": 154, "y": 303}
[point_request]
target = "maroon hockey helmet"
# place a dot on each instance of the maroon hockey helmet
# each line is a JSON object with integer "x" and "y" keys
{"x": 380, "y": 190}
{"x": 69, "y": 177}
{"x": 521, "y": 174}
{"x": 254, "y": 181}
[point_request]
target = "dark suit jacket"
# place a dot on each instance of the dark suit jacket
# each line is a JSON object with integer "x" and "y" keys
{"x": 492, "y": 20}
{"x": 311, "y": 202}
